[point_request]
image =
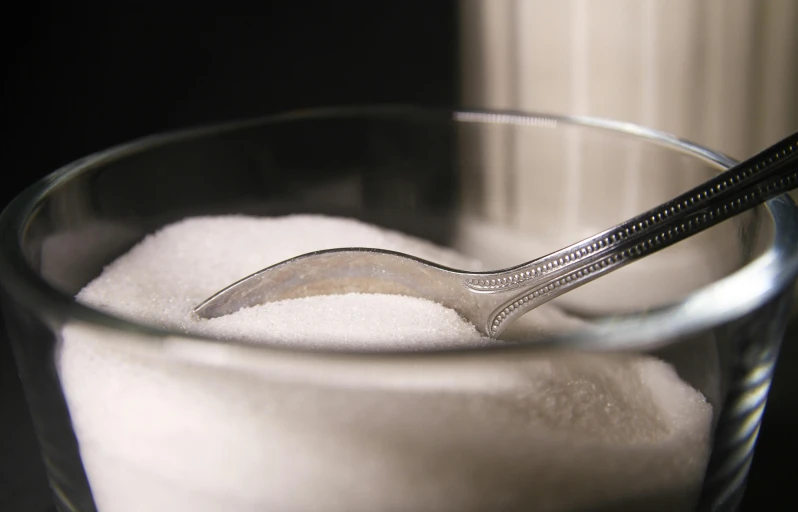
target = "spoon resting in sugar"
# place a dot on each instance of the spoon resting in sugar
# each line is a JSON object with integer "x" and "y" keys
{"x": 493, "y": 300}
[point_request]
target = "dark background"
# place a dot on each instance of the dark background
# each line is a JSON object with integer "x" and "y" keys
{"x": 81, "y": 79}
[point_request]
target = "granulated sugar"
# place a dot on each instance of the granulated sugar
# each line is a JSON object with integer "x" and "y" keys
{"x": 159, "y": 282}
{"x": 161, "y": 429}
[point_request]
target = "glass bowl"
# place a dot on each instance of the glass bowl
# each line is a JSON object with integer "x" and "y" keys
{"x": 262, "y": 427}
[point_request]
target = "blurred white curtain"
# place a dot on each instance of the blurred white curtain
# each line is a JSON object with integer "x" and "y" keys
{"x": 722, "y": 73}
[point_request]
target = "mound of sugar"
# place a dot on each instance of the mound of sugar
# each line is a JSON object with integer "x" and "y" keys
{"x": 160, "y": 280}
{"x": 170, "y": 426}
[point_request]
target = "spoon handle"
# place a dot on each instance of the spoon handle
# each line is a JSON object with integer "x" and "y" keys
{"x": 744, "y": 186}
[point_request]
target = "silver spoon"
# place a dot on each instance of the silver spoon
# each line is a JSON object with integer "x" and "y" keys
{"x": 492, "y": 300}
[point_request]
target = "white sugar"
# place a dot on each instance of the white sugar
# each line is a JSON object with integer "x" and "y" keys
{"x": 353, "y": 321}
{"x": 175, "y": 426}
{"x": 159, "y": 281}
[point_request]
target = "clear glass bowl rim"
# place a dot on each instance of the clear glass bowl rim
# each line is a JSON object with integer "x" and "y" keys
{"x": 719, "y": 302}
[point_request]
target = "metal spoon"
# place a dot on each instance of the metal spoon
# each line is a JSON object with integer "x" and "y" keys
{"x": 492, "y": 300}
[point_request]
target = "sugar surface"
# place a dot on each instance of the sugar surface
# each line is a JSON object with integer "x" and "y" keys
{"x": 162, "y": 432}
{"x": 160, "y": 280}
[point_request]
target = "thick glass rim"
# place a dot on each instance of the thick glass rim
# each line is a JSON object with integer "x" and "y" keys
{"x": 714, "y": 304}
